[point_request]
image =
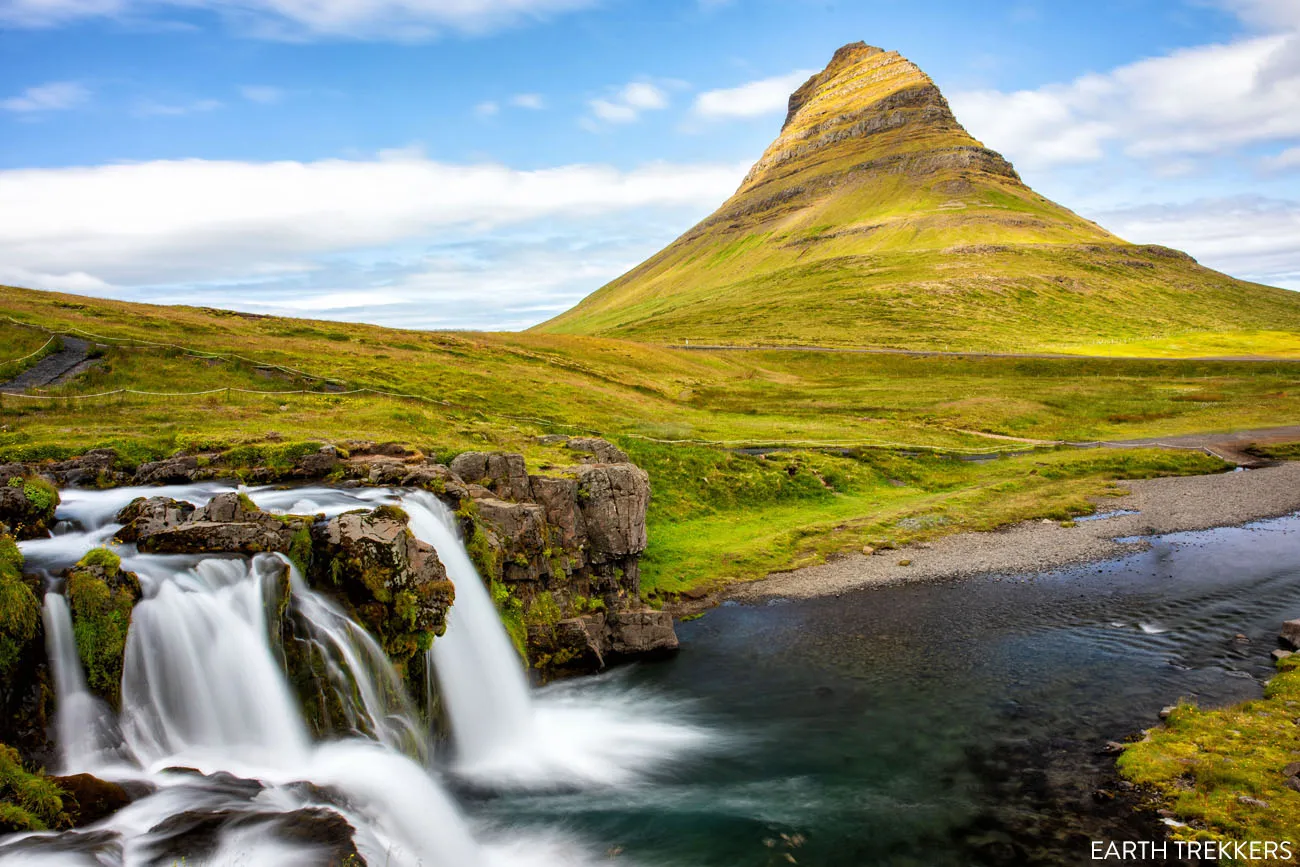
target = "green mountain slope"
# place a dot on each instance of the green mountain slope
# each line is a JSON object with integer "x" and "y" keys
{"x": 875, "y": 219}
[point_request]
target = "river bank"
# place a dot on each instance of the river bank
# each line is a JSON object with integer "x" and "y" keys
{"x": 1152, "y": 507}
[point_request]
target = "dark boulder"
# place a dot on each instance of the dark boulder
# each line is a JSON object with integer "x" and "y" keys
{"x": 172, "y": 471}
{"x": 89, "y": 799}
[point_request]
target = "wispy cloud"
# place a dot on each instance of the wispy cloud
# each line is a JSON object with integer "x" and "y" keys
{"x": 263, "y": 94}
{"x": 754, "y": 99}
{"x": 403, "y": 20}
{"x": 487, "y": 109}
{"x": 627, "y": 103}
{"x": 54, "y": 96}
{"x": 153, "y": 108}
{"x": 531, "y": 101}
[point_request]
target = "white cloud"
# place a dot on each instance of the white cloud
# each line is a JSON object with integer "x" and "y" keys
{"x": 152, "y": 108}
{"x": 1252, "y": 237}
{"x": 304, "y": 227}
{"x": 628, "y": 102}
{"x": 263, "y": 94}
{"x": 1279, "y": 14}
{"x": 55, "y": 96}
{"x": 487, "y": 109}
{"x": 1204, "y": 100}
{"x": 1285, "y": 161}
{"x": 404, "y": 20}
{"x": 757, "y": 98}
{"x": 531, "y": 101}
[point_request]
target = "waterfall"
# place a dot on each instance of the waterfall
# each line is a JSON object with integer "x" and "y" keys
{"x": 478, "y": 670}
{"x": 200, "y": 682}
{"x": 504, "y": 739}
{"x": 204, "y": 687}
{"x": 363, "y": 679}
{"x": 83, "y": 722}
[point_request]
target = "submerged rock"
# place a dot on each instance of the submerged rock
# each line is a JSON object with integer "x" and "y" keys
{"x": 89, "y": 799}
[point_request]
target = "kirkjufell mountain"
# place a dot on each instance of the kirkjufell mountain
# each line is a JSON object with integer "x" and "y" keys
{"x": 876, "y": 219}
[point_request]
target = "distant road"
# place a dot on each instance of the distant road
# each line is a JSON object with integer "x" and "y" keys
{"x": 937, "y": 353}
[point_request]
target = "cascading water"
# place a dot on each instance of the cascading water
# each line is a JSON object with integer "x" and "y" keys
{"x": 204, "y": 689}
{"x": 478, "y": 670}
{"x": 86, "y": 739}
{"x": 503, "y": 737}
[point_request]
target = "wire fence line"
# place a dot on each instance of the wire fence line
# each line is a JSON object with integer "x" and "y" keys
{"x": 31, "y": 354}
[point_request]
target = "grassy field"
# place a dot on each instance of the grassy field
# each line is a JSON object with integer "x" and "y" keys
{"x": 897, "y": 424}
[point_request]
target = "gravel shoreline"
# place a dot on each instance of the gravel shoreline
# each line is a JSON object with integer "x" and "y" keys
{"x": 1161, "y": 505}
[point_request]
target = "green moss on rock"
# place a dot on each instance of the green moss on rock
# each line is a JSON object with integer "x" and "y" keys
{"x": 28, "y": 801}
{"x": 101, "y": 598}
{"x": 20, "y": 610}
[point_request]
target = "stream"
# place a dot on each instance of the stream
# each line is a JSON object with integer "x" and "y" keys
{"x": 943, "y": 723}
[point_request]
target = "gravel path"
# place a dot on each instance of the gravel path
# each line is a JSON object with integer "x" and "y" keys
{"x": 1162, "y": 506}
{"x": 75, "y": 355}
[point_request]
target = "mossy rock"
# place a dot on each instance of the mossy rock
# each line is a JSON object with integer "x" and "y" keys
{"x": 20, "y": 610}
{"x": 27, "y": 506}
{"x": 101, "y": 598}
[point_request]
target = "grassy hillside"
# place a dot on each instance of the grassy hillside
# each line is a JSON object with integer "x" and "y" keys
{"x": 717, "y": 513}
{"x": 875, "y": 219}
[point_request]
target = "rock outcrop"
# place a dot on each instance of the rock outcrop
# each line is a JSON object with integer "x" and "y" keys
{"x": 395, "y": 584}
{"x": 561, "y": 549}
{"x": 27, "y": 502}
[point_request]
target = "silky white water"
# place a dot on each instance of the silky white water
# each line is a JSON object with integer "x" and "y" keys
{"x": 504, "y": 737}
{"x": 204, "y": 688}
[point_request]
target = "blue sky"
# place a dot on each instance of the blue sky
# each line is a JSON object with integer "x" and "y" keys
{"x": 486, "y": 163}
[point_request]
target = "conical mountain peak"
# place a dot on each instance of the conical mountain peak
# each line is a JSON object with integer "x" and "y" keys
{"x": 876, "y": 219}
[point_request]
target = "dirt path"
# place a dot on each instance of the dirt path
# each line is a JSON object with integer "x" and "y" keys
{"x": 1229, "y": 446}
{"x": 1153, "y": 507}
{"x": 73, "y": 358}
{"x": 945, "y": 353}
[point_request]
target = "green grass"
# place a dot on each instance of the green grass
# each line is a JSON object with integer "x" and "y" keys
{"x": 736, "y": 517}
{"x": 28, "y": 801}
{"x": 1201, "y": 764}
{"x": 500, "y": 391}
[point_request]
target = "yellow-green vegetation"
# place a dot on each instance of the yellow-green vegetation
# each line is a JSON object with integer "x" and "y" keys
{"x": 28, "y": 801}
{"x": 20, "y": 610}
{"x": 1209, "y": 344}
{"x": 725, "y": 516}
{"x": 1213, "y": 768}
{"x": 875, "y": 219}
{"x": 101, "y": 597}
{"x": 23, "y": 347}
{"x": 512, "y": 615}
{"x": 679, "y": 413}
